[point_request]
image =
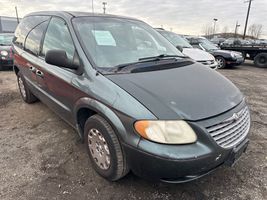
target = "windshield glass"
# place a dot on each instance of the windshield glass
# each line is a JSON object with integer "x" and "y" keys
{"x": 209, "y": 46}
{"x": 112, "y": 41}
{"x": 175, "y": 39}
{"x": 6, "y": 40}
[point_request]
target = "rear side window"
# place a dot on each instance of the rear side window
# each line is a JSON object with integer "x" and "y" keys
{"x": 25, "y": 26}
{"x": 34, "y": 37}
{"x": 58, "y": 38}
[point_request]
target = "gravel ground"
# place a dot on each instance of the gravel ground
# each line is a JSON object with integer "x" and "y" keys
{"x": 41, "y": 158}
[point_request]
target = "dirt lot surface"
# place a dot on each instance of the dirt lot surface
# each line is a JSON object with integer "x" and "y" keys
{"x": 41, "y": 158}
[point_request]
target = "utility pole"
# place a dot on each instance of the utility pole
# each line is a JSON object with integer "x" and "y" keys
{"x": 17, "y": 14}
{"x": 214, "y": 29}
{"x": 104, "y": 7}
{"x": 236, "y": 27}
{"x": 245, "y": 30}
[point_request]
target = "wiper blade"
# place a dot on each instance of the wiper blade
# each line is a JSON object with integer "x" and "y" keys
{"x": 121, "y": 66}
{"x": 159, "y": 57}
{"x": 145, "y": 59}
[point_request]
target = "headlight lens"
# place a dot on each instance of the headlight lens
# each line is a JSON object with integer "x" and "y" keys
{"x": 4, "y": 53}
{"x": 167, "y": 132}
{"x": 233, "y": 54}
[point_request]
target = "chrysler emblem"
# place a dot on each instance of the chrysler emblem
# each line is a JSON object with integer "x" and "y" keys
{"x": 235, "y": 116}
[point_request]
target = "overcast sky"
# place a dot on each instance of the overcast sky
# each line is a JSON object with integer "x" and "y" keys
{"x": 182, "y": 16}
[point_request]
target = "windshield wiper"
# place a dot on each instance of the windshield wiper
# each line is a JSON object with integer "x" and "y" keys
{"x": 146, "y": 59}
{"x": 159, "y": 57}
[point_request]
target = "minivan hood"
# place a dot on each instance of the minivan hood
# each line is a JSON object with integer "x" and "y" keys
{"x": 197, "y": 54}
{"x": 192, "y": 92}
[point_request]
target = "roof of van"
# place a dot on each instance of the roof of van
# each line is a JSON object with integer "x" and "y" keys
{"x": 70, "y": 14}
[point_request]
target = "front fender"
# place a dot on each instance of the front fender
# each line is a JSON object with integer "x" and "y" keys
{"x": 122, "y": 132}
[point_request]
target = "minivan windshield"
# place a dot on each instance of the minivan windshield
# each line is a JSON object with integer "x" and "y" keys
{"x": 111, "y": 42}
{"x": 175, "y": 39}
{"x": 6, "y": 39}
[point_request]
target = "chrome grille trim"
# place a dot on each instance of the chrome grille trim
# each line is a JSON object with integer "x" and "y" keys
{"x": 231, "y": 131}
{"x": 207, "y": 62}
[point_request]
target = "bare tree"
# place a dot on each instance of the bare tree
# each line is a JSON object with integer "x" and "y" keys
{"x": 255, "y": 30}
{"x": 207, "y": 30}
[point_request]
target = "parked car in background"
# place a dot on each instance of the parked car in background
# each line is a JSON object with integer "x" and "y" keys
{"x": 217, "y": 41}
{"x": 223, "y": 57}
{"x": 137, "y": 102}
{"x": 183, "y": 45}
{"x": 6, "y": 56}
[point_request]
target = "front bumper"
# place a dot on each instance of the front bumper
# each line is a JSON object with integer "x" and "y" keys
{"x": 164, "y": 167}
{"x": 6, "y": 62}
{"x": 237, "y": 61}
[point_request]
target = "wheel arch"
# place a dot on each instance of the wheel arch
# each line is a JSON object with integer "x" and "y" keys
{"x": 87, "y": 107}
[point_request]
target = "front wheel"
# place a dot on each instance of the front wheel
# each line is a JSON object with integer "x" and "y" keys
{"x": 221, "y": 62}
{"x": 104, "y": 149}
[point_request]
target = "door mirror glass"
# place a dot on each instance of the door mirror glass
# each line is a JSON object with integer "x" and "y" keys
{"x": 60, "y": 59}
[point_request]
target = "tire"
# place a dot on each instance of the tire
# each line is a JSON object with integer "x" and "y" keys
{"x": 112, "y": 163}
{"x": 24, "y": 90}
{"x": 221, "y": 62}
{"x": 261, "y": 60}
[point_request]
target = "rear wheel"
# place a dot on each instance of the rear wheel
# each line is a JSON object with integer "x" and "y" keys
{"x": 104, "y": 149}
{"x": 25, "y": 92}
{"x": 261, "y": 60}
{"x": 221, "y": 62}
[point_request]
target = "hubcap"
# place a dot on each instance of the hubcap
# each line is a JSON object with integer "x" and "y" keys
{"x": 22, "y": 88}
{"x": 98, "y": 148}
{"x": 262, "y": 60}
{"x": 220, "y": 63}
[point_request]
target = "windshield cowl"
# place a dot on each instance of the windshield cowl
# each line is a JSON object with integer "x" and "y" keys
{"x": 146, "y": 66}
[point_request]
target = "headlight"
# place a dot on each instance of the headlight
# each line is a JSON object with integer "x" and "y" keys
{"x": 168, "y": 132}
{"x": 233, "y": 54}
{"x": 4, "y": 53}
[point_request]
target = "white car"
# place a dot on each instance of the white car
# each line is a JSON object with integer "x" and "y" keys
{"x": 183, "y": 45}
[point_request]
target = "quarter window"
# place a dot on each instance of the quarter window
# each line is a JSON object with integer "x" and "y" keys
{"x": 58, "y": 38}
{"x": 25, "y": 26}
{"x": 34, "y": 37}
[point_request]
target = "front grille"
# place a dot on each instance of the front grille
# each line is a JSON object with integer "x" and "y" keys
{"x": 207, "y": 62}
{"x": 231, "y": 131}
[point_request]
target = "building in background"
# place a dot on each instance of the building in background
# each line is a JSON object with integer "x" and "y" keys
{"x": 8, "y": 24}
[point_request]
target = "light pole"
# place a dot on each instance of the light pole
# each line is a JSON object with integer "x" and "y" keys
{"x": 214, "y": 29}
{"x": 104, "y": 7}
{"x": 245, "y": 30}
{"x": 236, "y": 27}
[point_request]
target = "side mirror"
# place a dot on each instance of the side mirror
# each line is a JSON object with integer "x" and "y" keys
{"x": 59, "y": 58}
{"x": 179, "y": 48}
